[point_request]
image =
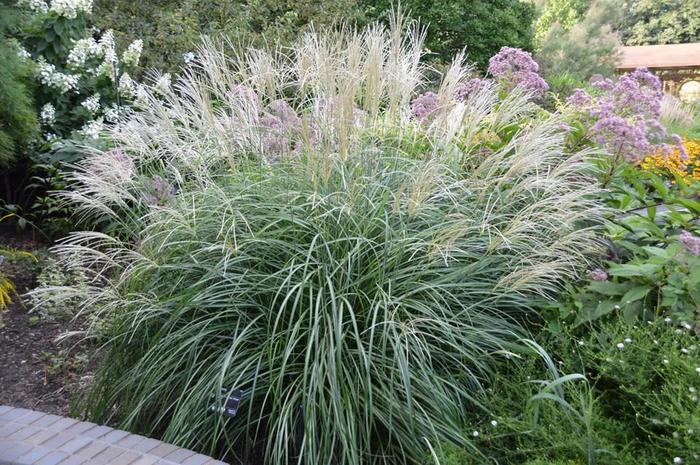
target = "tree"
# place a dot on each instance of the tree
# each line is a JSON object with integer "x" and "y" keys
{"x": 482, "y": 26}
{"x": 18, "y": 122}
{"x": 588, "y": 47}
{"x": 567, "y": 13}
{"x": 660, "y": 22}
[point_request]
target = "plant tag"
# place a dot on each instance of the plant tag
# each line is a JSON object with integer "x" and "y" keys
{"x": 227, "y": 403}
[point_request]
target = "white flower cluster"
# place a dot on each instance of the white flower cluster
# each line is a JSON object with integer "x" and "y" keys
{"x": 47, "y": 114}
{"x": 35, "y": 5}
{"x": 50, "y": 77}
{"x": 109, "y": 55}
{"x": 92, "y": 129}
{"x": 127, "y": 86}
{"x": 162, "y": 85}
{"x": 112, "y": 114}
{"x": 188, "y": 57}
{"x": 71, "y": 8}
{"x": 92, "y": 104}
{"x": 23, "y": 53}
{"x": 82, "y": 51}
{"x": 132, "y": 54}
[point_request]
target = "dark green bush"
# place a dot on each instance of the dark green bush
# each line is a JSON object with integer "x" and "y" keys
{"x": 18, "y": 122}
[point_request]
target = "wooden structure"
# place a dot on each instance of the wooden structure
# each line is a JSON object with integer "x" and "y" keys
{"x": 678, "y": 66}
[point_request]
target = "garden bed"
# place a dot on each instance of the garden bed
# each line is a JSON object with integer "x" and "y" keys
{"x": 36, "y": 371}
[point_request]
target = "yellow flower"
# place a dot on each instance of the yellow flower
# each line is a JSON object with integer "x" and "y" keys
{"x": 673, "y": 163}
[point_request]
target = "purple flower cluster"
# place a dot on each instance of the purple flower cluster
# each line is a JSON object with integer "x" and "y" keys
{"x": 598, "y": 274}
{"x": 515, "y": 68}
{"x": 279, "y": 123}
{"x": 424, "y": 107}
{"x": 469, "y": 88}
{"x": 161, "y": 191}
{"x": 623, "y": 116}
{"x": 690, "y": 242}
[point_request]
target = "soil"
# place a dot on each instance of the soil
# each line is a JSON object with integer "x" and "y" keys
{"x": 36, "y": 371}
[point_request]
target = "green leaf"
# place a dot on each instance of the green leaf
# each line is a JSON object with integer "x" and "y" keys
{"x": 608, "y": 288}
{"x": 633, "y": 311}
{"x": 636, "y": 293}
{"x": 629, "y": 270}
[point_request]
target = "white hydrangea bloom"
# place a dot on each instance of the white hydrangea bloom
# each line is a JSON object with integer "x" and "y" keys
{"x": 142, "y": 96}
{"x": 162, "y": 85}
{"x": 71, "y": 8}
{"x": 188, "y": 57}
{"x": 47, "y": 114}
{"x": 23, "y": 53}
{"x": 109, "y": 55}
{"x": 92, "y": 104}
{"x": 127, "y": 86}
{"x": 50, "y": 137}
{"x": 92, "y": 129}
{"x": 82, "y": 51}
{"x": 47, "y": 74}
{"x": 112, "y": 114}
{"x": 35, "y": 5}
{"x": 132, "y": 54}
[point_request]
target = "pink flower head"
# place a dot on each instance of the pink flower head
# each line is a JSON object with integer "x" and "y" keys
{"x": 690, "y": 242}
{"x": 513, "y": 67}
{"x": 469, "y": 88}
{"x": 598, "y": 274}
{"x": 424, "y": 107}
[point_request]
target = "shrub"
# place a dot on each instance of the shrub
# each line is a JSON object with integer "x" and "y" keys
{"x": 282, "y": 224}
{"x": 589, "y": 47}
{"x": 481, "y": 27}
{"x": 18, "y": 122}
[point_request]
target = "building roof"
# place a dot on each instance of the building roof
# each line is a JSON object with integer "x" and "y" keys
{"x": 660, "y": 56}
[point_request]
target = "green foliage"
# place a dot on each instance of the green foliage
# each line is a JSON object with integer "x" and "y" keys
{"x": 18, "y": 122}
{"x": 566, "y": 13}
{"x": 54, "y": 274}
{"x": 169, "y": 29}
{"x": 639, "y": 407}
{"x": 588, "y": 47}
{"x": 660, "y": 22}
{"x": 651, "y": 273}
{"x": 480, "y": 26}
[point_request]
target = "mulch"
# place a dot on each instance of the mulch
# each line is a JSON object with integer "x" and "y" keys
{"x": 36, "y": 371}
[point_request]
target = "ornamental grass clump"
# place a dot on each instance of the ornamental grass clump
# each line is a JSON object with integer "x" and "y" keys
{"x": 281, "y": 223}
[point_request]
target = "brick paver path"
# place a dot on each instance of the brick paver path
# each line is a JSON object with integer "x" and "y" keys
{"x": 34, "y": 438}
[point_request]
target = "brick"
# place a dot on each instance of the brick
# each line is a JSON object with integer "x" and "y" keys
{"x": 45, "y": 421}
{"x": 80, "y": 427}
{"x": 53, "y": 458}
{"x": 146, "y": 445}
{"x": 163, "y": 450}
{"x": 125, "y": 458}
{"x": 197, "y": 459}
{"x": 73, "y": 460}
{"x": 41, "y": 436}
{"x": 146, "y": 460}
{"x": 13, "y": 414}
{"x": 58, "y": 440}
{"x": 11, "y": 450}
{"x": 130, "y": 441}
{"x": 32, "y": 456}
{"x": 29, "y": 416}
{"x": 9, "y": 428}
{"x": 114, "y": 436}
{"x": 63, "y": 424}
{"x": 179, "y": 455}
{"x": 24, "y": 433}
{"x": 92, "y": 449}
{"x": 75, "y": 444}
{"x": 96, "y": 432}
{"x": 106, "y": 456}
